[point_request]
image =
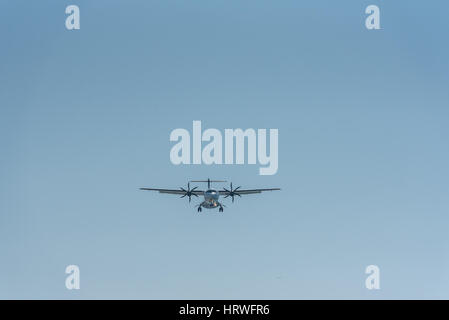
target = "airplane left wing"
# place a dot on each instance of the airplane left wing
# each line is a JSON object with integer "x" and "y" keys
{"x": 247, "y": 191}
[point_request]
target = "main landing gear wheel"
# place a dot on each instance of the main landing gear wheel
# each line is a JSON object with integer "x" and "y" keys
{"x": 221, "y": 209}
{"x": 199, "y": 209}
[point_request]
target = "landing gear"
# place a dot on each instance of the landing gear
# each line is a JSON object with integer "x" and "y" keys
{"x": 220, "y": 209}
{"x": 199, "y": 209}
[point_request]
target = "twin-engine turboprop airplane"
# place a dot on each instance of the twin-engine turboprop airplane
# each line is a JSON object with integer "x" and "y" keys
{"x": 210, "y": 195}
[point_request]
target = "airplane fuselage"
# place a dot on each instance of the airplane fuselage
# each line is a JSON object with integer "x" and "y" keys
{"x": 211, "y": 199}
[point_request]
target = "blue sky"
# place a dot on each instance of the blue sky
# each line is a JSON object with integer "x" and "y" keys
{"x": 86, "y": 117}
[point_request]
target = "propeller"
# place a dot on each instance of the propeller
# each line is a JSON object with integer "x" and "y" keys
{"x": 232, "y": 193}
{"x": 189, "y": 192}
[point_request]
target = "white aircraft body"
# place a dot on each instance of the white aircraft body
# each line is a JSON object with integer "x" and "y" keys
{"x": 210, "y": 195}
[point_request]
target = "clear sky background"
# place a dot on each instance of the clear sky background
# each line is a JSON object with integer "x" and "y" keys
{"x": 85, "y": 118}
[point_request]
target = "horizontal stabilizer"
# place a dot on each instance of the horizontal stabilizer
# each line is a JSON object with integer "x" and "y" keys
{"x": 207, "y": 181}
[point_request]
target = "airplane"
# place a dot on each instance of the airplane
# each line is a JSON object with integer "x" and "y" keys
{"x": 210, "y": 195}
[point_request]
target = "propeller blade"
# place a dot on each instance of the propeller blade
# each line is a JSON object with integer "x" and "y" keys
{"x": 189, "y": 192}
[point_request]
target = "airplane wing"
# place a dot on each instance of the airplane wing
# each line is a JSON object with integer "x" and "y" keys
{"x": 247, "y": 191}
{"x": 174, "y": 191}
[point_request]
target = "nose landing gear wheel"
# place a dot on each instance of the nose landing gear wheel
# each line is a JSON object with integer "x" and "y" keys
{"x": 221, "y": 209}
{"x": 199, "y": 209}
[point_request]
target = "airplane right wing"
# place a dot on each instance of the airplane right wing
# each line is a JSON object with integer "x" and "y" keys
{"x": 174, "y": 191}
